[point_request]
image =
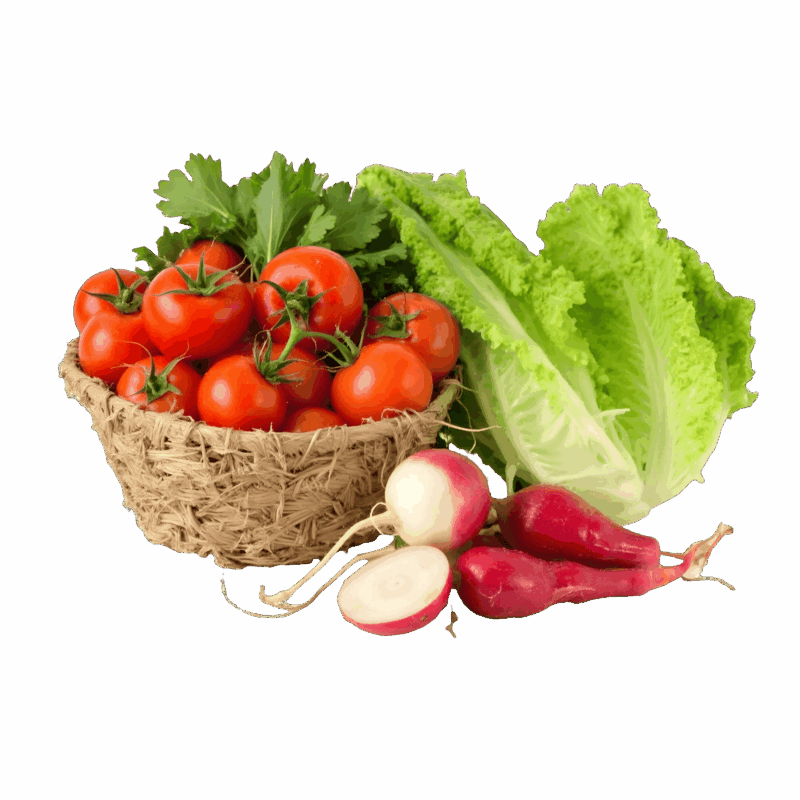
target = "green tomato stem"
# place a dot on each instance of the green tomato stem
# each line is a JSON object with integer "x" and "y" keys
{"x": 348, "y": 349}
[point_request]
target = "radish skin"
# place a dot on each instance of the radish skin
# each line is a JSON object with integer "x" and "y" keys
{"x": 500, "y": 584}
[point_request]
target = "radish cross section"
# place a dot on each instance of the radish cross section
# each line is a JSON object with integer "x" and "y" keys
{"x": 398, "y": 593}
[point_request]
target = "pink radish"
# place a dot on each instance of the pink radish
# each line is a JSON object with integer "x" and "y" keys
{"x": 435, "y": 497}
{"x": 498, "y": 583}
{"x": 398, "y": 593}
{"x": 440, "y": 498}
{"x": 553, "y": 523}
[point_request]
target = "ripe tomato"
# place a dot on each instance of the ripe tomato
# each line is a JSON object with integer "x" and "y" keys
{"x": 110, "y": 342}
{"x": 215, "y": 254}
{"x": 311, "y": 381}
{"x": 234, "y": 394}
{"x": 326, "y": 271}
{"x": 251, "y": 287}
{"x": 314, "y": 385}
{"x": 137, "y": 380}
{"x": 195, "y": 326}
{"x": 310, "y": 419}
{"x": 386, "y": 375}
{"x": 104, "y": 282}
{"x": 433, "y": 333}
{"x": 244, "y": 347}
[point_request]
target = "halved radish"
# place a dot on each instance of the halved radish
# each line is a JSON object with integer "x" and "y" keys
{"x": 436, "y": 497}
{"x": 398, "y": 593}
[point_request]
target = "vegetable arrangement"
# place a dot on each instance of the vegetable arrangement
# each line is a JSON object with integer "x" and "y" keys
{"x": 598, "y": 373}
{"x": 255, "y": 316}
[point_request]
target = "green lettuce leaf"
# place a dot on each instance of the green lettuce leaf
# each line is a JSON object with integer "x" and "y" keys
{"x": 587, "y": 361}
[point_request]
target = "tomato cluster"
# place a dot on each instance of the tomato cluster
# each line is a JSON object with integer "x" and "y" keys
{"x": 293, "y": 351}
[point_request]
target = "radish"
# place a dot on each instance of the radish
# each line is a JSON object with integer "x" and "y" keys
{"x": 435, "y": 497}
{"x": 553, "y": 523}
{"x": 499, "y": 584}
{"x": 398, "y": 593}
{"x": 439, "y": 498}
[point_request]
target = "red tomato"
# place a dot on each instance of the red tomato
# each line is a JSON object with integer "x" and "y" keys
{"x": 234, "y": 394}
{"x": 310, "y": 419}
{"x": 386, "y": 375}
{"x": 132, "y": 386}
{"x": 195, "y": 326}
{"x": 110, "y": 342}
{"x": 251, "y": 287}
{"x": 311, "y": 384}
{"x": 244, "y": 347}
{"x": 326, "y": 271}
{"x": 314, "y": 386}
{"x": 215, "y": 254}
{"x": 433, "y": 333}
{"x": 105, "y": 282}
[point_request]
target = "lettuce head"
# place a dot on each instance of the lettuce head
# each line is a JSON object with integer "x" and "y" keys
{"x": 606, "y": 363}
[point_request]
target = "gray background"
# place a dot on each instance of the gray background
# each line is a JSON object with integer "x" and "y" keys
{"x": 126, "y": 673}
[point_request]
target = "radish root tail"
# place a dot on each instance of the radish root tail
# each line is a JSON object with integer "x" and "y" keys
{"x": 278, "y": 600}
{"x": 293, "y": 608}
{"x": 700, "y": 555}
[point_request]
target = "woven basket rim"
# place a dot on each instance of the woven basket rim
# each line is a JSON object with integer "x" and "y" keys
{"x": 80, "y": 385}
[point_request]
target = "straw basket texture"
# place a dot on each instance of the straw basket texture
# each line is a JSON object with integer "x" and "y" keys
{"x": 249, "y": 497}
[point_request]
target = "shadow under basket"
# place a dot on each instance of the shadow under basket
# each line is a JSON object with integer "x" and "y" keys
{"x": 250, "y": 498}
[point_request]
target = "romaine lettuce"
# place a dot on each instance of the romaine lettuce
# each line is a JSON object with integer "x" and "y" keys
{"x": 607, "y": 363}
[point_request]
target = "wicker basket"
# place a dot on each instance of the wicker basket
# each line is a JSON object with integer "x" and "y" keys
{"x": 249, "y": 497}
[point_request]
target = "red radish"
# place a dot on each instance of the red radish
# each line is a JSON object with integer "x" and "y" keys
{"x": 553, "y": 523}
{"x": 440, "y": 497}
{"x": 481, "y": 540}
{"x": 435, "y": 497}
{"x": 499, "y": 583}
{"x": 399, "y": 593}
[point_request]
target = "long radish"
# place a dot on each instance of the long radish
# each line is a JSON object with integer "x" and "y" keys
{"x": 499, "y": 583}
{"x": 553, "y": 523}
{"x": 399, "y": 593}
{"x": 435, "y": 497}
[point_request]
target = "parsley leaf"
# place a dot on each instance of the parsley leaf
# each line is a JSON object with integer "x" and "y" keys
{"x": 244, "y": 196}
{"x": 169, "y": 247}
{"x": 285, "y": 198}
{"x": 275, "y": 209}
{"x": 357, "y": 218}
{"x": 318, "y": 225}
{"x": 205, "y": 202}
